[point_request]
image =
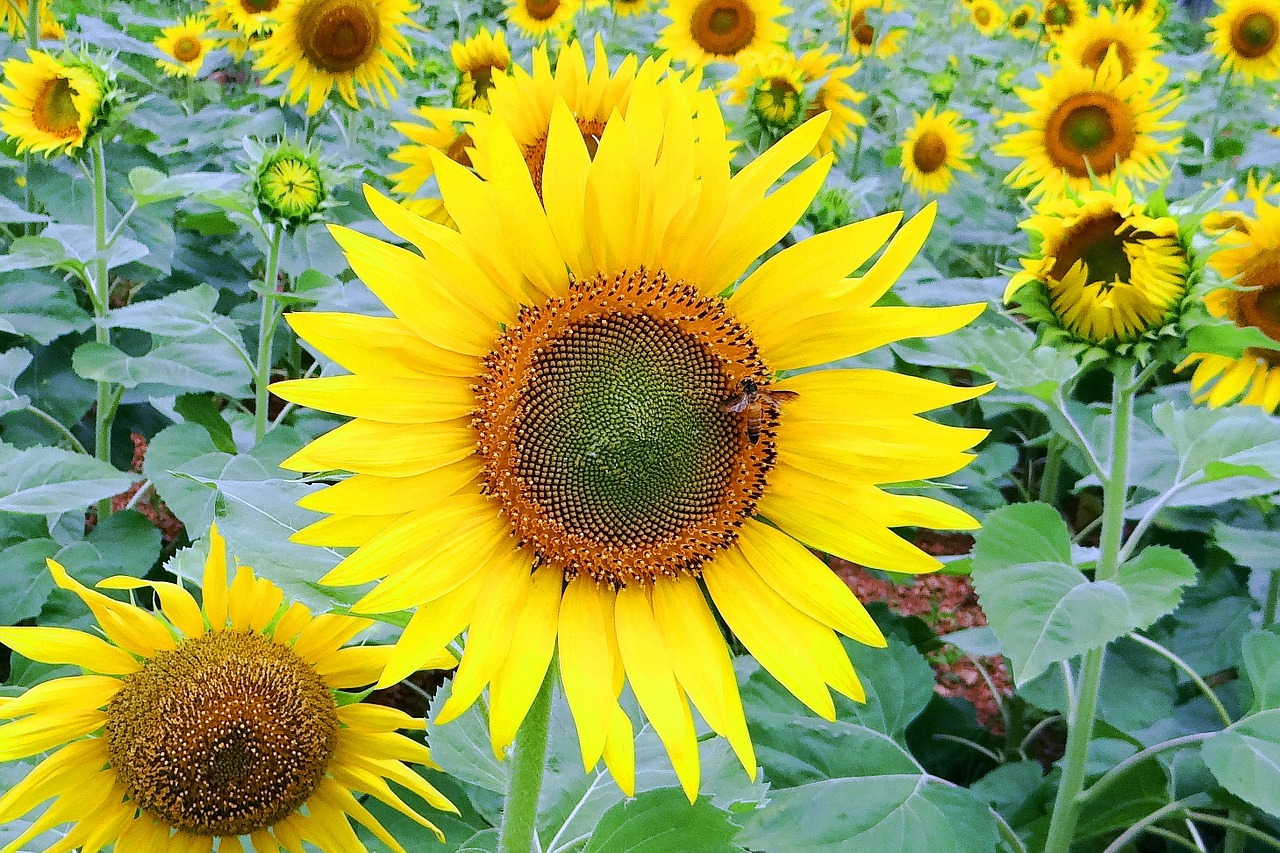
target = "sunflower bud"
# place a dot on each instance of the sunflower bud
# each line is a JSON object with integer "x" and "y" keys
{"x": 289, "y": 185}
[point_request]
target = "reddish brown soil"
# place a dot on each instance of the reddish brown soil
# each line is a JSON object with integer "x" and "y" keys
{"x": 149, "y": 504}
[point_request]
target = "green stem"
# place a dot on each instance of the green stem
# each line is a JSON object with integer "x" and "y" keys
{"x": 524, "y": 784}
{"x": 1115, "y": 488}
{"x": 33, "y": 24}
{"x": 101, "y": 299}
{"x": 1234, "y": 840}
{"x": 1052, "y": 470}
{"x": 1181, "y": 664}
{"x": 266, "y": 332}
{"x": 1273, "y": 599}
{"x": 1231, "y": 824}
{"x": 59, "y": 426}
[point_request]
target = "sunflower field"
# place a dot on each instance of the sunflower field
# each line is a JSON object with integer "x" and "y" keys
{"x": 640, "y": 426}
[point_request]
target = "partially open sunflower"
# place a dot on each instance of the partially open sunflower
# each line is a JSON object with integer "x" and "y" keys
{"x": 1084, "y": 124}
{"x": 568, "y": 438}
{"x": 935, "y": 147}
{"x": 1246, "y": 35}
{"x": 51, "y": 106}
{"x": 203, "y": 724}
{"x": 703, "y": 31}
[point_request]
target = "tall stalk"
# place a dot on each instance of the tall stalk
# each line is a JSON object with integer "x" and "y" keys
{"x": 266, "y": 330}
{"x": 528, "y": 762}
{"x": 100, "y": 296}
{"x": 1081, "y": 714}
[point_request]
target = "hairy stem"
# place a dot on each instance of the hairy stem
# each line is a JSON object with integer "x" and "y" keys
{"x": 266, "y": 332}
{"x": 528, "y": 757}
{"x": 101, "y": 298}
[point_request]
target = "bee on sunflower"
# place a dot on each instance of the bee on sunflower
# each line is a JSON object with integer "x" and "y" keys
{"x": 53, "y": 105}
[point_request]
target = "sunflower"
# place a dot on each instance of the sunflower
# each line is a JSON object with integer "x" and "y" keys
{"x": 327, "y": 44}
{"x": 935, "y": 147}
{"x": 1250, "y": 259}
{"x": 1086, "y": 123}
{"x": 477, "y": 60}
{"x": 860, "y": 24}
{"x": 1153, "y": 9}
{"x": 1057, "y": 16}
{"x": 987, "y": 16}
{"x": 1021, "y": 22}
{"x": 1131, "y": 36}
{"x": 440, "y": 129}
{"x": 834, "y": 96}
{"x": 206, "y": 724}
{"x": 13, "y": 18}
{"x": 782, "y": 90}
{"x": 537, "y": 18}
{"x": 289, "y": 184}
{"x": 566, "y": 455}
{"x": 703, "y": 31}
{"x": 1227, "y": 215}
{"x": 186, "y": 44}
{"x": 1108, "y": 271}
{"x": 248, "y": 17}
{"x": 1246, "y": 35}
{"x": 51, "y": 106}
{"x": 631, "y": 8}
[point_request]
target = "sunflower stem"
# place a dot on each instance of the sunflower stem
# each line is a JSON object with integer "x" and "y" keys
{"x": 105, "y": 410}
{"x": 1115, "y": 487}
{"x": 524, "y": 784}
{"x": 266, "y": 332}
{"x": 33, "y": 24}
{"x": 1273, "y": 599}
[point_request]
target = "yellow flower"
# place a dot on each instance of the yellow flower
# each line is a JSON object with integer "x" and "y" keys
{"x": 13, "y": 18}
{"x": 860, "y": 24}
{"x": 987, "y": 16}
{"x": 1250, "y": 259}
{"x": 442, "y": 131}
{"x": 834, "y": 95}
{"x": 1227, "y": 217}
{"x": 537, "y": 18}
{"x": 478, "y": 59}
{"x": 1023, "y": 22}
{"x": 248, "y": 17}
{"x": 562, "y": 456}
{"x": 187, "y": 44}
{"x": 217, "y": 721}
{"x": 51, "y": 106}
{"x": 779, "y": 89}
{"x": 1153, "y": 9}
{"x": 1082, "y": 121}
{"x": 1246, "y": 35}
{"x": 1131, "y": 36}
{"x": 289, "y": 185}
{"x": 935, "y": 147}
{"x": 703, "y": 31}
{"x": 1057, "y": 16}
{"x": 342, "y": 44}
{"x": 1107, "y": 270}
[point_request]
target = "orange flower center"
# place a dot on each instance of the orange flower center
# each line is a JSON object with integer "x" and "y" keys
{"x": 722, "y": 27}
{"x": 1096, "y": 53}
{"x": 1255, "y": 34}
{"x": 338, "y": 36}
{"x": 929, "y": 152}
{"x": 54, "y": 111}
{"x": 187, "y": 49}
{"x": 1090, "y": 130}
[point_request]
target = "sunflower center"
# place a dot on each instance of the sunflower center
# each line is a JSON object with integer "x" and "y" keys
{"x": 338, "y": 35}
{"x": 606, "y": 434}
{"x": 929, "y": 152}
{"x": 1255, "y": 34}
{"x": 1260, "y": 306}
{"x": 1097, "y": 244}
{"x": 54, "y": 110}
{"x": 257, "y": 7}
{"x": 541, "y": 10}
{"x": 863, "y": 33}
{"x": 1058, "y": 15}
{"x": 227, "y": 734}
{"x": 481, "y": 83}
{"x": 1019, "y": 19}
{"x": 1090, "y": 130}
{"x": 1096, "y": 54}
{"x": 722, "y": 27}
{"x": 982, "y": 16}
{"x": 187, "y": 49}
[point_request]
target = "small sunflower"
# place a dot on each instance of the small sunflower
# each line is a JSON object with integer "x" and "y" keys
{"x": 703, "y": 31}
{"x": 782, "y": 90}
{"x": 342, "y": 44}
{"x": 1153, "y": 9}
{"x": 1022, "y": 22}
{"x": 51, "y": 106}
{"x": 538, "y": 18}
{"x": 440, "y": 129}
{"x": 1235, "y": 211}
{"x": 478, "y": 59}
{"x": 13, "y": 18}
{"x": 1246, "y": 35}
{"x": 247, "y": 17}
{"x": 1057, "y": 16}
{"x": 933, "y": 150}
{"x": 834, "y": 96}
{"x": 1131, "y": 36}
{"x": 987, "y": 16}
{"x": 1250, "y": 260}
{"x": 861, "y": 25}
{"x": 199, "y": 724}
{"x": 1106, "y": 269}
{"x": 289, "y": 184}
{"x": 566, "y": 456}
{"x": 1086, "y": 123}
{"x": 186, "y": 44}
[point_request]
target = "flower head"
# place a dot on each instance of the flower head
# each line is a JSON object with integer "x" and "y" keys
{"x": 861, "y": 22}
{"x": 478, "y": 59}
{"x": 703, "y": 31}
{"x": 186, "y": 44}
{"x": 933, "y": 150}
{"x": 51, "y": 105}
{"x": 289, "y": 184}
{"x": 1246, "y": 36}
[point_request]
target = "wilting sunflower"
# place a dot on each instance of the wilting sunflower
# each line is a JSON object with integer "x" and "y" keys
{"x": 1057, "y": 16}
{"x": 1106, "y": 269}
{"x": 566, "y": 431}
{"x": 51, "y": 106}
{"x": 200, "y": 724}
{"x": 987, "y": 16}
{"x": 1083, "y": 120}
{"x": 861, "y": 25}
{"x": 1022, "y": 22}
{"x": 342, "y": 44}
{"x": 478, "y": 59}
{"x": 247, "y": 17}
{"x": 1250, "y": 259}
{"x": 703, "y": 31}
{"x": 186, "y": 44}
{"x": 782, "y": 90}
{"x": 1131, "y": 36}
{"x": 1246, "y": 35}
{"x": 537, "y": 18}
{"x": 933, "y": 150}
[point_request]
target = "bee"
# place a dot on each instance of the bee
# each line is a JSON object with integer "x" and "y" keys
{"x": 752, "y": 400}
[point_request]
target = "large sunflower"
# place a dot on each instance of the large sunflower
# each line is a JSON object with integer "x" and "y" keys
{"x": 207, "y": 723}
{"x": 1084, "y": 121}
{"x": 342, "y": 44}
{"x": 703, "y": 31}
{"x": 1131, "y": 36}
{"x": 1250, "y": 258}
{"x": 478, "y": 60}
{"x": 568, "y": 438}
{"x": 186, "y": 44}
{"x": 1246, "y": 35}
{"x": 1107, "y": 271}
{"x": 51, "y": 106}
{"x": 933, "y": 150}
{"x": 782, "y": 90}
{"x": 861, "y": 25}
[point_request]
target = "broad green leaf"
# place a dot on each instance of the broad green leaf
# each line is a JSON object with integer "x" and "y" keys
{"x": 201, "y": 409}
{"x": 201, "y": 363}
{"x": 1043, "y": 609}
{"x": 25, "y": 582}
{"x": 661, "y": 821}
{"x": 12, "y": 363}
{"x": 125, "y": 543}
{"x": 179, "y": 315}
{"x": 10, "y": 211}
{"x": 1008, "y": 356}
{"x": 47, "y": 480}
{"x": 1261, "y": 663}
{"x": 1245, "y": 759}
{"x": 151, "y": 185}
{"x": 1253, "y": 549}
{"x": 28, "y": 253}
{"x": 1240, "y": 444}
{"x": 39, "y": 305}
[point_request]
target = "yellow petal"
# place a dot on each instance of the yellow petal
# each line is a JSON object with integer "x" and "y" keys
{"x": 40, "y": 732}
{"x": 825, "y": 394}
{"x": 325, "y": 635}
{"x": 64, "y": 645}
{"x": 60, "y": 694}
{"x": 517, "y": 680}
{"x": 431, "y": 628}
{"x": 128, "y": 627}
{"x": 567, "y": 165}
{"x": 61, "y": 772}
{"x": 176, "y": 603}
{"x": 214, "y": 586}
{"x": 587, "y": 660}
{"x": 240, "y": 599}
{"x": 344, "y": 531}
{"x": 384, "y": 346}
{"x": 365, "y": 494}
{"x": 385, "y": 399}
{"x": 613, "y": 201}
{"x": 901, "y": 251}
{"x": 620, "y": 751}
{"x": 386, "y": 450}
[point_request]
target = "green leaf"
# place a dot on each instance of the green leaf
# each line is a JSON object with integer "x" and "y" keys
{"x": 28, "y": 253}
{"x": 201, "y": 362}
{"x": 1043, "y": 609}
{"x": 12, "y": 363}
{"x": 661, "y": 821}
{"x": 1261, "y": 664}
{"x": 125, "y": 543}
{"x": 1238, "y": 445}
{"x": 47, "y": 480}
{"x": 201, "y": 409}
{"x": 1253, "y": 549}
{"x": 39, "y": 305}
{"x": 25, "y": 582}
{"x": 1245, "y": 759}
{"x": 148, "y": 185}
